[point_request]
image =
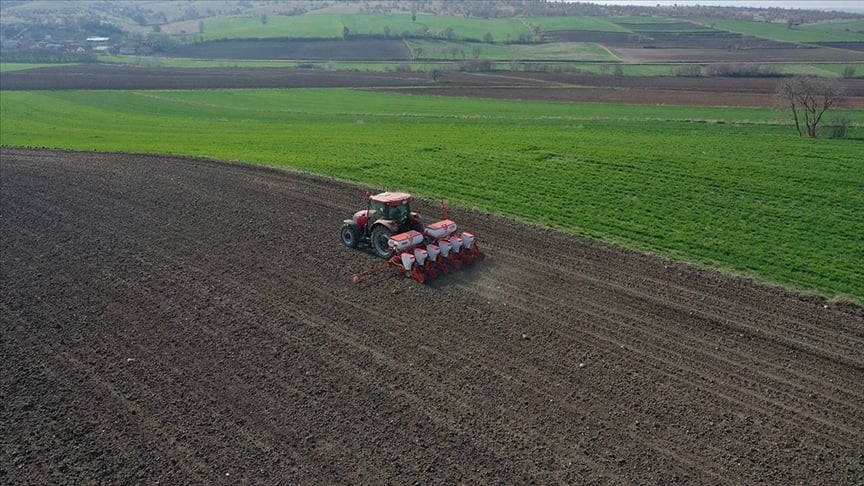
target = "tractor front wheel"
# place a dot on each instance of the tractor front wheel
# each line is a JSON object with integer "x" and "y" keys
{"x": 350, "y": 235}
{"x": 380, "y": 242}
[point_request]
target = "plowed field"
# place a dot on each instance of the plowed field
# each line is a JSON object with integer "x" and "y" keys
{"x": 179, "y": 320}
{"x": 714, "y": 91}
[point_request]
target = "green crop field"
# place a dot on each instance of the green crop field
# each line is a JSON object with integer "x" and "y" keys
{"x": 331, "y": 25}
{"x": 824, "y": 70}
{"x": 176, "y": 62}
{"x": 731, "y": 188}
{"x": 306, "y": 26}
{"x": 779, "y": 32}
{"x": 845, "y": 26}
{"x": 6, "y": 67}
{"x": 643, "y": 20}
{"x": 602, "y": 24}
{"x": 463, "y": 27}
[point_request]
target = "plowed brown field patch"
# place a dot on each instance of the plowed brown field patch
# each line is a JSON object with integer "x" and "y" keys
{"x": 178, "y": 320}
{"x": 713, "y": 91}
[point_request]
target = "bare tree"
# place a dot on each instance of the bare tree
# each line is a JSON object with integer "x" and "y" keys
{"x": 809, "y": 98}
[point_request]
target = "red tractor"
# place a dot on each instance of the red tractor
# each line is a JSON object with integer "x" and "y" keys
{"x": 396, "y": 233}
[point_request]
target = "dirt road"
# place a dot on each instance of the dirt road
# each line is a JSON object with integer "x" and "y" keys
{"x": 177, "y": 320}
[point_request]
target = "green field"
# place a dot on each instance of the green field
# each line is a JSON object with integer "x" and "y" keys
{"x": 731, "y": 188}
{"x": 845, "y": 26}
{"x": 779, "y": 32}
{"x": 331, "y": 25}
{"x": 6, "y": 67}
{"x": 306, "y": 26}
{"x": 602, "y": 24}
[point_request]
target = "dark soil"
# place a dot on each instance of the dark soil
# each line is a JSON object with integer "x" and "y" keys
{"x": 734, "y": 54}
{"x": 296, "y": 49}
{"x": 713, "y": 91}
{"x": 173, "y": 320}
{"x": 853, "y": 46}
{"x": 707, "y": 39}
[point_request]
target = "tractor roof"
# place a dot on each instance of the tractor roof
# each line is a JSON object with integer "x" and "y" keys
{"x": 392, "y": 198}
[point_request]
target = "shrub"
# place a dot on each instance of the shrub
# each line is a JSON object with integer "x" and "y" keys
{"x": 839, "y": 126}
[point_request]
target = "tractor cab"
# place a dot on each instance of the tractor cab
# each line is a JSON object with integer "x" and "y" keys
{"x": 392, "y": 206}
{"x": 388, "y": 213}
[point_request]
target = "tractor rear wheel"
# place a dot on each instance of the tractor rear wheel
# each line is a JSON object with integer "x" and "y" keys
{"x": 350, "y": 235}
{"x": 380, "y": 237}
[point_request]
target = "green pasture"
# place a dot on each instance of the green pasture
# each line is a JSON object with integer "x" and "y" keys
{"x": 823, "y": 70}
{"x": 842, "y": 26}
{"x": 331, "y": 26}
{"x": 176, "y": 62}
{"x": 244, "y": 27}
{"x": 6, "y": 67}
{"x": 549, "y": 24}
{"x": 731, "y": 188}
{"x": 644, "y": 20}
{"x": 463, "y": 27}
{"x": 779, "y": 32}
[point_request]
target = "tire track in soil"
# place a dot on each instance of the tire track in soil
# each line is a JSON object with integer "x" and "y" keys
{"x": 664, "y": 359}
{"x": 254, "y": 354}
{"x": 664, "y": 331}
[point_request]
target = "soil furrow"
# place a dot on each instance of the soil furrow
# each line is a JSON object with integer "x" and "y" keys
{"x": 177, "y": 320}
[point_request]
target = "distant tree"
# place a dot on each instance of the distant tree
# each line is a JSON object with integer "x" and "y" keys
{"x": 264, "y": 19}
{"x": 386, "y": 31}
{"x": 487, "y": 38}
{"x": 687, "y": 70}
{"x": 200, "y": 26}
{"x": 345, "y": 31}
{"x": 618, "y": 70}
{"x": 536, "y": 32}
{"x": 839, "y": 126}
{"x": 157, "y": 28}
{"x": 848, "y": 71}
{"x": 413, "y": 16}
{"x": 435, "y": 74}
{"x": 809, "y": 97}
{"x": 475, "y": 52}
{"x": 418, "y": 52}
{"x": 790, "y": 22}
{"x": 448, "y": 33}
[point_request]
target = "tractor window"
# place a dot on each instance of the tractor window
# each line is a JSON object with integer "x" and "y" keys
{"x": 399, "y": 213}
{"x": 380, "y": 210}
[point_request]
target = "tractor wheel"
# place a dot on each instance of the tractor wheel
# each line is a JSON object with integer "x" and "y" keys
{"x": 380, "y": 245}
{"x": 350, "y": 235}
